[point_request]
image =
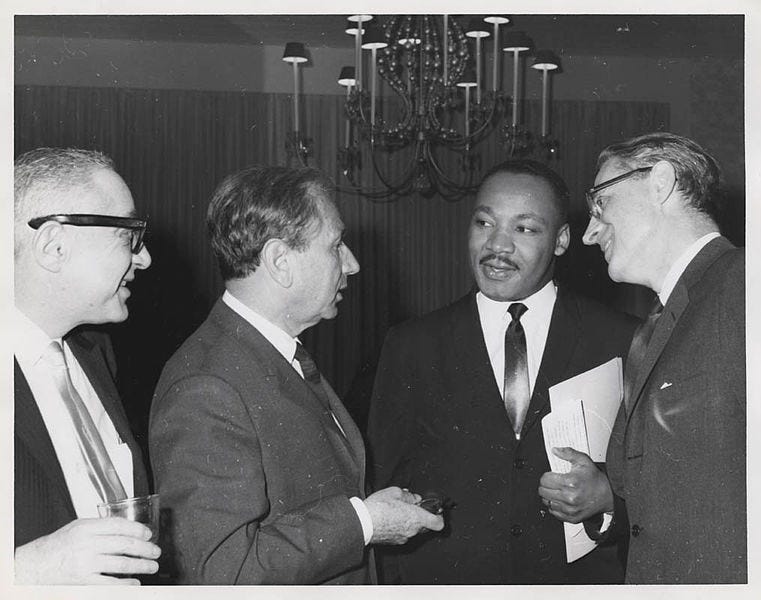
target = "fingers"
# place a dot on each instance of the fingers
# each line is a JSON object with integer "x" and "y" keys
{"x": 107, "y": 563}
{"x": 410, "y": 497}
{"x": 434, "y": 522}
{"x": 106, "y": 580}
{"x": 129, "y": 546}
{"x": 571, "y": 455}
{"x": 111, "y": 526}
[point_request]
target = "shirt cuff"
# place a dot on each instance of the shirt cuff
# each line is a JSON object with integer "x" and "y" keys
{"x": 364, "y": 518}
{"x": 606, "y": 520}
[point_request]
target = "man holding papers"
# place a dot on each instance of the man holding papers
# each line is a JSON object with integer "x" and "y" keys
{"x": 676, "y": 459}
{"x": 460, "y": 395}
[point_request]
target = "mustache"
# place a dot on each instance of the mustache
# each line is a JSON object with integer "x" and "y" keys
{"x": 502, "y": 259}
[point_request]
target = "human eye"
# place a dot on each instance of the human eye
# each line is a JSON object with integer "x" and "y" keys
{"x": 125, "y": 236}
{"x": 481, "y": 221}
{"x": 528, "y": 228}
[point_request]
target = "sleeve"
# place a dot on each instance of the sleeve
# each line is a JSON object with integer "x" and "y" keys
{"x": 209, "y": 469}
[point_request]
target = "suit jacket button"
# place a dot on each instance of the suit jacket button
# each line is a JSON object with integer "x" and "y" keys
{"x": 516, "y": 530}
{"x": 636, "y": 530}
{"x": 519, "y": 463}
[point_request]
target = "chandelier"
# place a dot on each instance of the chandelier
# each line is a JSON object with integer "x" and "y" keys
{"x": 438, "y": 99}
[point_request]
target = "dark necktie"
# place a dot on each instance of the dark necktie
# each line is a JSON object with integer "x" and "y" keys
{"x": 517, "y": 395}
{"x": 100, "y": 469}
{"x": 638, "y": 349}
{"x": 312, "y": 375}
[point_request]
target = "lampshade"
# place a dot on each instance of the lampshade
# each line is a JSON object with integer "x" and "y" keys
{"x": 468, "y": 78}
{"x": 477, "y": 29}
{"x": 347, "y": 78}
{"x": 295, "y": 53}
{"x": 373, "y": 37}
{"x": 498, "y": 19}
{"x": 545, "y": 60}
{"x": 360, "y": 18}
{"x": 517, "y": 40}
{"x": 351, "y": 27}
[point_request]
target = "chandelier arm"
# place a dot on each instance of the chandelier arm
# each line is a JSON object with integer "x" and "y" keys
{"x": 405, "y": 179}
{"x": 461, "y": 188}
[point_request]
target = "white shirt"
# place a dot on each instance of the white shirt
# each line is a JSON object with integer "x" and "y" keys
{"x": 286, "y": 345}
{"x": 30, "y": 344}
{"x": 681, "y": 264}
{"x": 536, "y": 324}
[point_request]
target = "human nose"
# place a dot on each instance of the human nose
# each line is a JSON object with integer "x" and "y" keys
{"x": 350, "y": 265}
{"x": 593, "y": 229}
{"x": 500, "y": 241}
{"x": 142, "y": 260}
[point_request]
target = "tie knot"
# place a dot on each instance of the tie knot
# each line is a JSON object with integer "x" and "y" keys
{"x": 657, "y": 308}
{"x": 54, "y": 355}
{"x": 516, "y": 310}
{"x": 301, "y": 353}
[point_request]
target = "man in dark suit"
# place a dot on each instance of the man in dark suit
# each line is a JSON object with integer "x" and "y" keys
{"x": 676, "y": 460}
{"x": 258, "y": 460}
{"x": 76, "y": 247}
{"x": 446, "y": 412}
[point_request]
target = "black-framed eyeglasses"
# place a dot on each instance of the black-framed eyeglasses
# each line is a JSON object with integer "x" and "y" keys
{"x": 136, "y": 227}
{"x": 593, "y": 202}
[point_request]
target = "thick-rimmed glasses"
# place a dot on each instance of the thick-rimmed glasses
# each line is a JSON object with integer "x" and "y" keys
{"x": 136, "y": 227}
{"x": 593, "y": 201}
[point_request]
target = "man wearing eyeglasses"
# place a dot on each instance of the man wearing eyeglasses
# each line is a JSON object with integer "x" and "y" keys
{"x": 77, "y": 246}
{"x": 676, "y": 459}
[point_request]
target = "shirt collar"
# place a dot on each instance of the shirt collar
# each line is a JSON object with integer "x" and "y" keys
{"x": 680, "y": 265}
{"x": 282, "y": 341}
{"x": 537, "y": 303}
{"x": 29, "y": 341}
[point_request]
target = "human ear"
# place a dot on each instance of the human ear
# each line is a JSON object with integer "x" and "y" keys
{"x": 50, "y": 246}
{"x": 275, "y": 259}
{"x": 663, "y": 180}
{"x": 562, "y": 239}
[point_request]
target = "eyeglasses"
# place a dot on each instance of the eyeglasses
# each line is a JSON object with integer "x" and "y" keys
{"x": 593, "y": 202}
{"x": 136, "y": 227}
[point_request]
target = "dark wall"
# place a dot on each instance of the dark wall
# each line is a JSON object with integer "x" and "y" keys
{"x": 173, "y": 147}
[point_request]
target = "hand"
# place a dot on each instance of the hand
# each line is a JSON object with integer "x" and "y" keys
{"x": 579, "y": 494}
{"x": 80, "y": 552}
{"x": 396, "y": 518}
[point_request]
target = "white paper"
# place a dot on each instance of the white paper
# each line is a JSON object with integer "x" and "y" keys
{"x": 600, "y": 391}
{"x": 583, "y": 410}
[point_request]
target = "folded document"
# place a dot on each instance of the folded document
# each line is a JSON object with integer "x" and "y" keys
{"x": 583, "y": 411}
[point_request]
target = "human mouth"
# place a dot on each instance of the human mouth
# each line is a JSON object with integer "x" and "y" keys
{"x": 605, "y": 246}
{"x": 495, "y": 267}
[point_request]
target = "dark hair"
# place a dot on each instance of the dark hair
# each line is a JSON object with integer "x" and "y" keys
{"x": 698, "y": 176}
{"x": 258, "y": 204}
{"x": 527, "y": 166}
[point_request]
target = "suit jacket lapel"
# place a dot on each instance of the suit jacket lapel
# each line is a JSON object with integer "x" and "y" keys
{"x": 351, "y": 438}
{"x": 560, "y": 346}
{"x": 287, "y": 383}
{"x": 94, "y": 365}
{"x": 472, "y": 357}
{"x": 30, "y": 429}
{"x": 675, "y": 307}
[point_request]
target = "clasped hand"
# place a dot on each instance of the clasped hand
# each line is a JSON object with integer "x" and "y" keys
{"x": 396, "y": 516}
{"x": 581, "y": 493}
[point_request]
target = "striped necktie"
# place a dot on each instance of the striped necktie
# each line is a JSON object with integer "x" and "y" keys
{"x": 638, "y": 349}
{"x": 100, "y": 469}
